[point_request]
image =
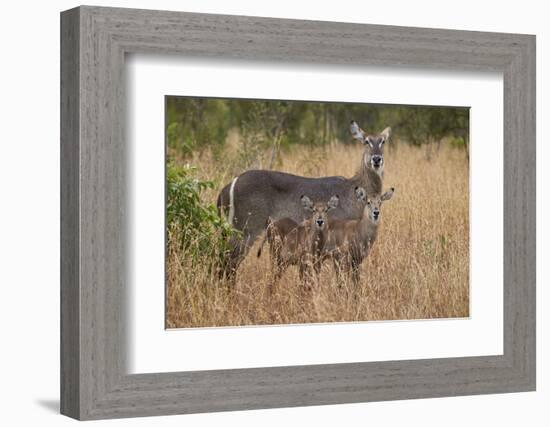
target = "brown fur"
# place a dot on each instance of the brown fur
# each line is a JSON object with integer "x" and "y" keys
{"x": 350, "y": 241}
{"x": 301, "y": 244}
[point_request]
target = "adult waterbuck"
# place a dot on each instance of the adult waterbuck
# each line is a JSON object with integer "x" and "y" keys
{"x": 250, "y": 198}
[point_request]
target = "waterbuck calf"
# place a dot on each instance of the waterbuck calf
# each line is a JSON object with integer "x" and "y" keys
{"x": 350, "y": 241}
{"x": 302, "y": 244}
{"x": 255, "y": 195}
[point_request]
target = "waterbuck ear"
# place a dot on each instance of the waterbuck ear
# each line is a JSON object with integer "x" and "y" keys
{"x": 386, "y": 133}
{"x": 356, "y": 131}
{"x": 361, "y": 194}
{"x": 388, "y": 194}
{"x": 333, "y": 202}
{"x": 307, "y": 203}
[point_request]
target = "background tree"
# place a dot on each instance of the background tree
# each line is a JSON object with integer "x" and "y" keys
{"x": 267, "y": 126}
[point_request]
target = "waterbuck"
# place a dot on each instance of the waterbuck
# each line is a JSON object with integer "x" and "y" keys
{"x": 255, "y": 195}
{"x": 350, "y": 241}
{"x": 302, "y": 244}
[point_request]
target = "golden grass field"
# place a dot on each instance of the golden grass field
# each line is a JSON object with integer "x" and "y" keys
{"x": 418, "y": 268}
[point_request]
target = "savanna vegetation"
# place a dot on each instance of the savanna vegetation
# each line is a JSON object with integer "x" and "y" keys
{"x": 419, "y": 267}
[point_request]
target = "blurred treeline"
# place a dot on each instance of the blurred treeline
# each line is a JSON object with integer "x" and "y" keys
{"x": 197, "y": 123}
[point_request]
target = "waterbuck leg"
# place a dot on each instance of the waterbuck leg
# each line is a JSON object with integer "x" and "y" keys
{"x": 232, "y": 259}
{"x": 337, "y": 271}
{"x": 239, "y": 248}
{"x": 277, "y": 270}
{"x": 356, "y": 276}
{"x": 276, "y": 264}
{"x": 316, "y": 271}
{"x": 355, "y": 272}
{"x": 303, "y": 272}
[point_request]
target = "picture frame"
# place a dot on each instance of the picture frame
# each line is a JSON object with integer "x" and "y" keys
{"x": 94, "y": 267}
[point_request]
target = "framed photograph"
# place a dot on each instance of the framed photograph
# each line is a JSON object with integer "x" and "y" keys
{"x": 261, "y": 213}
{"x": 287, "y": 180}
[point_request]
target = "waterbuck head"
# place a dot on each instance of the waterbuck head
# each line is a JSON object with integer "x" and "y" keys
{"x": 373, "y": 157}
{"x": 373, "y": 204}
{"x": 319, "y": 210}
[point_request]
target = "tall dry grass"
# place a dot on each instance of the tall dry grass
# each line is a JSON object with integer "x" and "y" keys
{"x": 418, "y": 268}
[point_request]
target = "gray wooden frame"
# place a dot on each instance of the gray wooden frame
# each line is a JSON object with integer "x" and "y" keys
{"x": 94, "y": 382}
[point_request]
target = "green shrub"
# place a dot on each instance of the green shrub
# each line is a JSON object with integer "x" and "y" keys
{"x": 458, "y": 142}
{"x": 194, "y": 226}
